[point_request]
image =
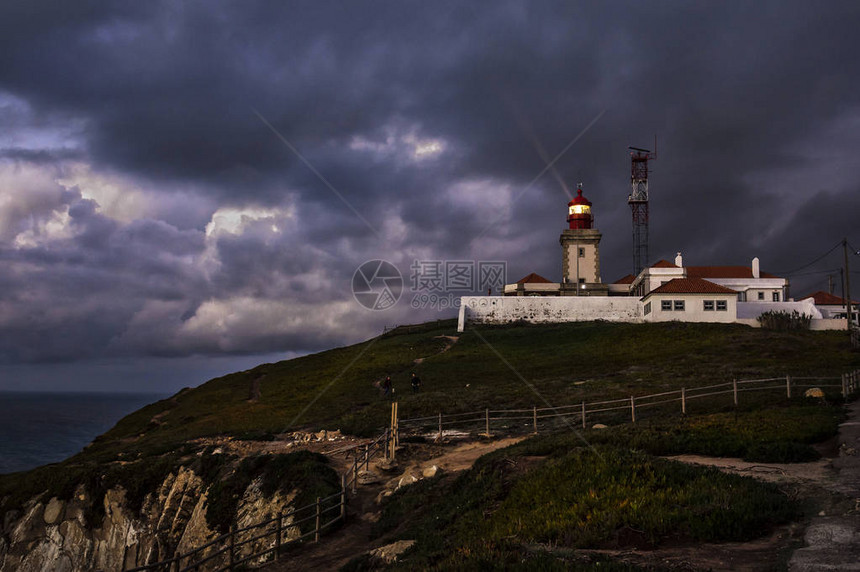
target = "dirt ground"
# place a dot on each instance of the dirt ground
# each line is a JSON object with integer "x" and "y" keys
{"x": 412, "y": 460}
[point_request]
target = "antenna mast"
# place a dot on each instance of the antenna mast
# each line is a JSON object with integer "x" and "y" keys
{"x": 638, "y": 201}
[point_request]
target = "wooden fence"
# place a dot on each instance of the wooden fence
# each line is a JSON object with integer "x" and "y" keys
{"x": 631, "y": 407}
{"x": 266, "y": 539}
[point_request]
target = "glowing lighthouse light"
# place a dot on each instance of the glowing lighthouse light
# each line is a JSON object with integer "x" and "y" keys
{"x": 579, "y": 211}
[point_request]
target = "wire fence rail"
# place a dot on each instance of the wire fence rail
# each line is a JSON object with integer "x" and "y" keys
{"x": 264, "y": 541}
{"x": 622, "y": 409}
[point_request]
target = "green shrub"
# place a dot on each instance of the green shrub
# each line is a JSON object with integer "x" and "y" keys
{"x": 777, "y": 435}
{"x": 577, "y": 498}
{"x": 781, "y": 320}
{"x": 781, "y": 452}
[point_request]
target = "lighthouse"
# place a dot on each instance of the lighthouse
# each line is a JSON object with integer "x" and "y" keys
{"x": 580, "y": 245}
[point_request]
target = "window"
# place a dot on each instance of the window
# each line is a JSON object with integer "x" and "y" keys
{"x": 761, "y": 295}
{"x": 581, "y": 252}
{"x": 776, "y": 296}
{"x": 722, "y": 305}
{"x": 679, "y": 305}
{"x": 647, "y": 308}
{"x": 666, "y": 305}
{"x": 709, "y": 305}
{"x": 742, "y": 296}
{"x": 582, "y": 280}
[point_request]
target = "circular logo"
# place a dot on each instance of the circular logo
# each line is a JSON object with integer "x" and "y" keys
{"x": 377, "y": 285}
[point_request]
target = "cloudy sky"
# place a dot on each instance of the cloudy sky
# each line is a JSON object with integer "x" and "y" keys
{"x": 186, "y": 189}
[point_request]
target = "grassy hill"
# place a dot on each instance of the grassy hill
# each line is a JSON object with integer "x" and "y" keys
{"x": 567, "y": 363}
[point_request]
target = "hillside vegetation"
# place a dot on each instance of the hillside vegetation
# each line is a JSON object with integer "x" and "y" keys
{"x": 566, "y": 363}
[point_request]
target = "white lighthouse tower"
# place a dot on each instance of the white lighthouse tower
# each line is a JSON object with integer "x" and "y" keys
{"x": 580, "y": 244}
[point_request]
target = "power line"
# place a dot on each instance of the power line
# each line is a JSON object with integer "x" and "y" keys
{"x": 819, "y": 272}
{"x": 835, "y": 246}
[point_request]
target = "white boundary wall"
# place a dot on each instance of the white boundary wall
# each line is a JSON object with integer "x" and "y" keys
{"x": 558, "y": 309}
{"x": 752, "y": 310}
{"x": 547, "y": 309}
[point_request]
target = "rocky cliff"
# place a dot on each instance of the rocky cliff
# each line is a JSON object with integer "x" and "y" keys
{"x": 53, "y": 534}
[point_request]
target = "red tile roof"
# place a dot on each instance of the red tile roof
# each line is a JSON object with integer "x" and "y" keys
{"x": 691, "y": 286}
{"x": 625, "y": 280}
{"x": 533, "y": 279}
{"x": 663, "y": 264}
{"x": 824, "y": 299}
{"x": 724, "y": 272}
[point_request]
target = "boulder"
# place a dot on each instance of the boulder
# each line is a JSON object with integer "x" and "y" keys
{"x": 389, "y": 553}
{"x": 814, "y": 392}
{"x": 430, "y": 472}
{"x": 406, "y": 479}
{"x": 368, "y": 478}
{"x": 54, "y": 511}
{"x": 599, "y": 426}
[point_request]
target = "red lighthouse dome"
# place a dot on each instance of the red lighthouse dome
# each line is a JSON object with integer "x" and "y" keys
{"x": 579, "y": 211}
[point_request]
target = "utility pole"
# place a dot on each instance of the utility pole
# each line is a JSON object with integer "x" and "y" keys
{"x": 848, "y": 286}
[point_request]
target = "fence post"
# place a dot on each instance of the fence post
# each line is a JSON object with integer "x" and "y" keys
{"x": 534, "y": 413}
{"x": 278, "y": 530}
{"x": 317, "y": 528}
{"x": 440, "y": 426}
{"x": 396, "y": 424}
{"x": 583, "y": 415}
{"x": 342, "y": 498}
{"x": 632, "y": 409}
{"x": 683, "y": 400}
{"x": 367, "y": 457}
{"x": 844, "y": 385}
{"x": 788, "y": 386}
{"x": 735, "y": 391}
{"x": 487, "y": 420}
{"x": 232, "y": 546}
{"x": 354, "y": 474}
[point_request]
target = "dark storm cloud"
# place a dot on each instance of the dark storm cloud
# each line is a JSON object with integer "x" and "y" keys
{"x": 429, "y": 120}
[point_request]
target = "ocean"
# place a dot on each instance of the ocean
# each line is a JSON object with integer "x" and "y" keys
{"x": 41, "y": 428}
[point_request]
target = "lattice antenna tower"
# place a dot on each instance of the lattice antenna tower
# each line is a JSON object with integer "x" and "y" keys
{"x": 638, "y": 201}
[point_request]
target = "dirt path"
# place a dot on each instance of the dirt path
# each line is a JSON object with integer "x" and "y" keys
{"x": 832, "y": 539}
{"x": 451, "y": 341}
{"x": 339, "y": 547}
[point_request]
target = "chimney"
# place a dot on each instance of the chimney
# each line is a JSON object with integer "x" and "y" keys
{"x": 679, "y": 262}
{"x": 755, "y": 269}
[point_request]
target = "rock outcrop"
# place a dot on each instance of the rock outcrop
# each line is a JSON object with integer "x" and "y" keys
{"x": 52, "y": 534}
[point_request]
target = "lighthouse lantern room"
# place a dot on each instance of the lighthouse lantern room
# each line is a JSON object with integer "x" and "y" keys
{"x": 579, "y": 211}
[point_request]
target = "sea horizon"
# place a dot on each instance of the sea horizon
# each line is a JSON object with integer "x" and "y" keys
{"x": 43, "y": 427}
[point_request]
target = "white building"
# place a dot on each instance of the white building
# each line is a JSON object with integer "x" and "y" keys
{"x": 832, "y": 307}
{"x": 665, "y": 291}
{"x": 690, "y": 300}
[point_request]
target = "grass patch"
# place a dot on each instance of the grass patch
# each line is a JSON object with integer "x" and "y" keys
{"x": 580, "y": 498}
{"x": 779, "y": 434}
